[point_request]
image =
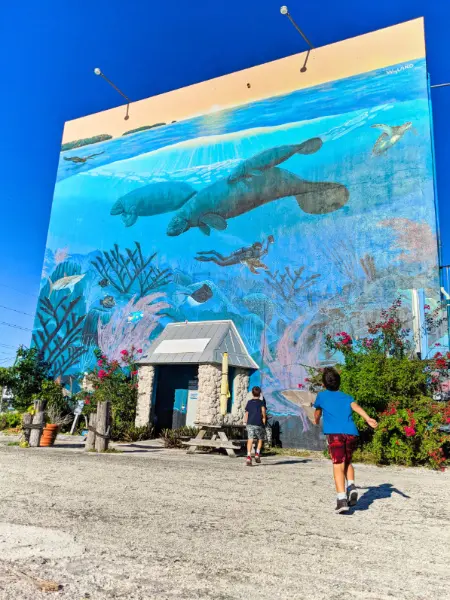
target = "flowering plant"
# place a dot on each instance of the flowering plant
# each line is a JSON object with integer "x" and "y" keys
{"x": 116, "y": 381}
{"x": 412, "y": 436}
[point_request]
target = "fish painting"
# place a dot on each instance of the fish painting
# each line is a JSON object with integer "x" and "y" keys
{"x": 202, "y": 295}
{"x": 199, "y": 295}
{"x": 135, "y": 317}
{"x": 68, "y": 282}
{"x": 108, "y": 302}
{"x": 103, "y": 282}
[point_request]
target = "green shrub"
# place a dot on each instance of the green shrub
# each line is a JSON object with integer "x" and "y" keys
{"x": 127, "y": 432}
{"x": 10, "y": 420}
{"x": 173, "y": 438}
{"x": 383, "y": 375}
{"x": 411, "y": 436}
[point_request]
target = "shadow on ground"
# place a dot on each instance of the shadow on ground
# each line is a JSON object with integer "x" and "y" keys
{"x": 379, "y": 492}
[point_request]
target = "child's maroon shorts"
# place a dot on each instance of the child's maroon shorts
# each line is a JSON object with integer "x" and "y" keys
{"x": 341, "y": 447}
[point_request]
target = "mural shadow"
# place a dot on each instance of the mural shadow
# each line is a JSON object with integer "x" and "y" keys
{"x": 379, "y": 492}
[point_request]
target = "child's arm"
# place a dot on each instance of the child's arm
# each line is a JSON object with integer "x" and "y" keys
{"x": 364, "y": 415}
{"x": 264, "y": 414}
{"x": 245, "y": 417}
{"x": 317, "y": 415}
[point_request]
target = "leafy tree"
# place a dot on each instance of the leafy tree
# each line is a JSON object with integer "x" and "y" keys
{"x": 24, "y": 378}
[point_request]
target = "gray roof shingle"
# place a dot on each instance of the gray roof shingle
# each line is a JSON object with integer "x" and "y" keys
{"x": 199, "y": 342}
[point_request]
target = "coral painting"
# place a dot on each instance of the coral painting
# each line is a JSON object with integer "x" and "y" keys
{"x": 296, "y": 215}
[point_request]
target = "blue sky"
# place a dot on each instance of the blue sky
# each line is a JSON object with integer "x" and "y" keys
{"x": 49, "y": 50}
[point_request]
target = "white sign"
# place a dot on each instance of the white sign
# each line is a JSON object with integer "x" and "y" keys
{"x": 182, "y": 346}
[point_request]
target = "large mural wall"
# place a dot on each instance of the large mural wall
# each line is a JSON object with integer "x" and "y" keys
{"x": 295, "y": 215}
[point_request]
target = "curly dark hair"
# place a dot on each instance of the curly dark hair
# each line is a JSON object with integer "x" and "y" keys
{"x": 256, "y": 391}
{"x": 331, "y": 379}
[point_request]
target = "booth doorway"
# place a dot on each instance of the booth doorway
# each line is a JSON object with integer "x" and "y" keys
{"x": 173, "y": 386}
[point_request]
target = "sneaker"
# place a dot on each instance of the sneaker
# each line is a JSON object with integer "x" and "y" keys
{"x": 352, "y": 495}
{"x": 341, "y": 506}
{"x": 257, "y": 458}
{"x": 249, "y": 461}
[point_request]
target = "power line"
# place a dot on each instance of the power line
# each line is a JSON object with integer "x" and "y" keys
{"x": 3, "y": 360}
{"x": 15, "y": 326}
{"x": 19, "y": 291}
{"x": 9, "y": 346}
{"x": 17, "y": 311}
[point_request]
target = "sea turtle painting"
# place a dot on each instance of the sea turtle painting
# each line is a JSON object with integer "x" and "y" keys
{"x": 389, "y": 137}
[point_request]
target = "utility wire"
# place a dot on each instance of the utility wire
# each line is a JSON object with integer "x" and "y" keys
{"x": 17, "y": 311}
{"x": 15, "y": 326}
{"x": 9, "y": 346}
{"x": 20, "y": 291}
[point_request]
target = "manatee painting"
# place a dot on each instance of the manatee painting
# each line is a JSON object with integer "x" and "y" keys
{"x": 222, "y": 200}
{"x": 273, "y": 157}
{"x": 389, "y": 137}
{"x": 152, "y": 199}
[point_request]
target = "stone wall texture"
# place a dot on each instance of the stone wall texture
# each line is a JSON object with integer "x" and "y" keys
{"x": 208, "y": 406}
{"x": 145, "y": 395}
{"x": 240, "y": 389}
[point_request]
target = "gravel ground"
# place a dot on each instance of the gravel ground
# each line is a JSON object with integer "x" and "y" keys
{"x": 160, "y": 524}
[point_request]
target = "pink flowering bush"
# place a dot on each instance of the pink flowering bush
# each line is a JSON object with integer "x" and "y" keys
{"x": 116, "y": 381}
{"x": 412, "y": 436}
{"x": 381, "y": 372}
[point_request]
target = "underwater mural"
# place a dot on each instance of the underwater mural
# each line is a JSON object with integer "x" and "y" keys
{"x": 295, "y": 216}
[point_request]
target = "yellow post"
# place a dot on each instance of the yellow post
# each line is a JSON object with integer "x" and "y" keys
{"x": 224, "y": 390}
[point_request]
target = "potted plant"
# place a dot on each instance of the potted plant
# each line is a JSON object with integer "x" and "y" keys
{"x": 58, "y": 410}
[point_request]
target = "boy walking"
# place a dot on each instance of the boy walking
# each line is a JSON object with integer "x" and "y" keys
{"x": 342, "y": 435}
{"x": 255, "y": 420}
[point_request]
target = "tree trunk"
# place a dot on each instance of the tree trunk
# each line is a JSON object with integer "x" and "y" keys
{"x": 102, "y": 439}
{"x": 90, "y": 439}
{"x": 38, "y": 419}
{"x": 26, "y": 420}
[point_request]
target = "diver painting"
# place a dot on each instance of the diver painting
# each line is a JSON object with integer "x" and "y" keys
{"x": 295, "y": 208}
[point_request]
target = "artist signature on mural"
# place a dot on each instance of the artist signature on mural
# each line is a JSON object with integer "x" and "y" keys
{"x": 399, "y": 69}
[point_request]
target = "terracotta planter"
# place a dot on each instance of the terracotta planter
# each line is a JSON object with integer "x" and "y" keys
{"x": 49, "y": 435}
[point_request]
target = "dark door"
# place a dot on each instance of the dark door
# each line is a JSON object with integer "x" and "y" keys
{"x": 172, "y": 395}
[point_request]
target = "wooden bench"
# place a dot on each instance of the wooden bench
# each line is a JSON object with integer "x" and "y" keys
{"x": 213, "y": 436}
{"x": 212, "y": 444}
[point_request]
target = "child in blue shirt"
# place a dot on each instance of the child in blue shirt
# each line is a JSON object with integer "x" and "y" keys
{"x": 342, "y": 435}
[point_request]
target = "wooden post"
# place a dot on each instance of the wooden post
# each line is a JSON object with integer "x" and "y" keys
{"x": 90, "y": 439}
{"x": 102, "y": 439}
{"x": 26, "y": 420}
{"x": 38, "y": 419}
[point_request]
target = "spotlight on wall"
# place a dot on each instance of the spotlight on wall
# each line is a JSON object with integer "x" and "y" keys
{"x": 98, "y": 71}
{"x": 285, "y": 11}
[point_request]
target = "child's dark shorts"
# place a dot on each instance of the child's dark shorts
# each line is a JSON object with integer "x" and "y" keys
{"x": 341, "y": 447}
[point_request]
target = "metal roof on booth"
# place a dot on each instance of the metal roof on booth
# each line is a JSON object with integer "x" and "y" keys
{"x": 199, "y": 342}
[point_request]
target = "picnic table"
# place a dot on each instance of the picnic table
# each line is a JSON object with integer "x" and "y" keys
{"x": 214, "y": 436}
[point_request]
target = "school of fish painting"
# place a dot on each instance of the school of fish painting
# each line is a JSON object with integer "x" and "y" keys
{"x": 294, "y": 216}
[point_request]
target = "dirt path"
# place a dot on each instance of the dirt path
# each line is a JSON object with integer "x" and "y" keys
{"x": 164, "y": 525}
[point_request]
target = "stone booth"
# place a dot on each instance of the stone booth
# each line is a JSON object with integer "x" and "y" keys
{"x": 180, "y": 376}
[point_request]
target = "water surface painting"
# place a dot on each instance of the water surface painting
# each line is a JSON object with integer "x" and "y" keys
{"x": 295, "y": 216}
